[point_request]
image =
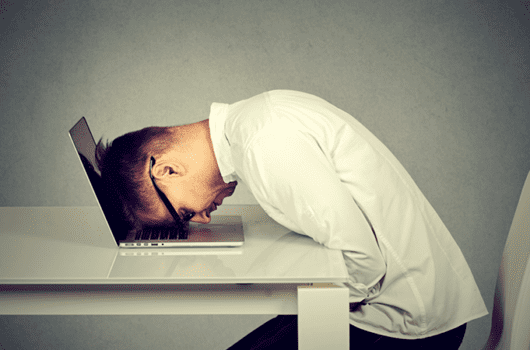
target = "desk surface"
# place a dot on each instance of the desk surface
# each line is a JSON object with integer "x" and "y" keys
{"x": 73, "y": 245}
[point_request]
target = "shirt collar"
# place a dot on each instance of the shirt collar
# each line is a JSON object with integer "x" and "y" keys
{"x": 220, "y": 142}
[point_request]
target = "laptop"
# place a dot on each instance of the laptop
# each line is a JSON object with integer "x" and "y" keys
{"x": 222, "y": 231}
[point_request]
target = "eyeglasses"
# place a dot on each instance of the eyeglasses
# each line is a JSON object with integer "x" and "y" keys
{"x": 166, "y": 201}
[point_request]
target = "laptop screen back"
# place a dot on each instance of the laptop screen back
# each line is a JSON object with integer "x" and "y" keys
{"x": 86, "y": 149}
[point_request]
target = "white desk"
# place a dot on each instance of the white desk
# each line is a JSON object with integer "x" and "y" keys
{"x": 64, "y": 261}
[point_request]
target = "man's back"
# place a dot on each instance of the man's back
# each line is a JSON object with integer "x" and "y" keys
{"x": 319, "y": 172}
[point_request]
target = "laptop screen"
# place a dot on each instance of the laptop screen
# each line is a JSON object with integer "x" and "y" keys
{"x": 86, "y": 149}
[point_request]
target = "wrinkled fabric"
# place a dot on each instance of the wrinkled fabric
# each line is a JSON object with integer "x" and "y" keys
{"x": 317, "y": 171}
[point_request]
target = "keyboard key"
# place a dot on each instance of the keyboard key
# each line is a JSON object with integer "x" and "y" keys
{"x": 155, "y": 233}
{"x": 174, "y": 233}
{"x": 183, "y": 234}
{"x": 164, "y": 234}
{"x": 146, "y": 233}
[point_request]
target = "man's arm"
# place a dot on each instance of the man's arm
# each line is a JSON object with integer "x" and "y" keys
{"x": 297, "y": 185}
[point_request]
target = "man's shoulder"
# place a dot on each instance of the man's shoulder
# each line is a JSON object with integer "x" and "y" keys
{"x": 247, "y": 118}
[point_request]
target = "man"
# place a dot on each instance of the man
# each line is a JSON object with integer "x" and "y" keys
{"x": 317, "y": 171}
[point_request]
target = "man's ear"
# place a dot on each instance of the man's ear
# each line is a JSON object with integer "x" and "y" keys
{"x": 168, "y": 169}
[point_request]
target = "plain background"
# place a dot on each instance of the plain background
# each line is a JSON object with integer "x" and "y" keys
{"x": 443, "y": 83}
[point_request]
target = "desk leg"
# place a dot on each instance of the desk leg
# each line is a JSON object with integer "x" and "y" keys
{"x": 323, "y": 319}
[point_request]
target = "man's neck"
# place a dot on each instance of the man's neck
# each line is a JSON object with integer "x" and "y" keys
{"x": 195, "y": 139}
{"x": 192, "y": 135}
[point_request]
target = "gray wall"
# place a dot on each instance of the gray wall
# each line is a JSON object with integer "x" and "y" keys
{"x": 443, "y": 83}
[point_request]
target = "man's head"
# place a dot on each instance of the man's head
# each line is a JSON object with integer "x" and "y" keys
{"x": 185, "y": 170}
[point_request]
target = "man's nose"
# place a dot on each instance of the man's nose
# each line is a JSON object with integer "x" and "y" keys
{"x": 201, "y": 218}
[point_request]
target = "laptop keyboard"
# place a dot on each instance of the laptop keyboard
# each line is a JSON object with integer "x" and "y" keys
{"x": 161, "y": 234}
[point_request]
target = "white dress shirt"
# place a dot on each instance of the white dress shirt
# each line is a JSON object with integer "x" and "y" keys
{"x": 317, "y": 171}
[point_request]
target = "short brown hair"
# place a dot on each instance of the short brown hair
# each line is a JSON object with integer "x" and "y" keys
{"x": 122, "y": 163}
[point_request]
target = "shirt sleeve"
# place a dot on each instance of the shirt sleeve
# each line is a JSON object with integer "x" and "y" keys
{"x": 296, "y": 184}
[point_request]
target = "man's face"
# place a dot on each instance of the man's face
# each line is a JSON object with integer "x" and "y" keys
{"x": 201, "y": 199}
{"x": 198, "y": 192}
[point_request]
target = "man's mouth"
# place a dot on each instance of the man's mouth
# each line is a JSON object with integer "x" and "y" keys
{"x": 213, "y": 207}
